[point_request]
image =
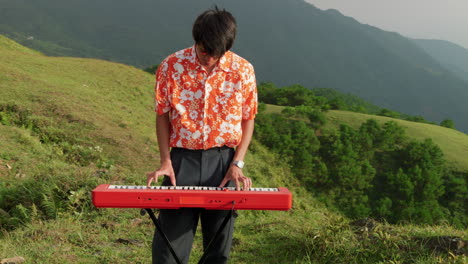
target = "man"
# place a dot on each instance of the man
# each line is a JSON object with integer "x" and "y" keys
{"x": 206, "y": 102}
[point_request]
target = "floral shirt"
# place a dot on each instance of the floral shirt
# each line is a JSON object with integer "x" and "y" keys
{"x": 205, "y": 111}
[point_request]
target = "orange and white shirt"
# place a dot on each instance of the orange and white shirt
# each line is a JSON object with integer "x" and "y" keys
{"x": 205, "y": 111}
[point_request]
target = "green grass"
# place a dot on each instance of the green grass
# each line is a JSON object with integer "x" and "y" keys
{"x": 70, "y": 124}
{"x": 103, "y": 104}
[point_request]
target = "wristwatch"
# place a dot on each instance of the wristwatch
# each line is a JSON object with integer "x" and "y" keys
{"x": 239, "y": 163}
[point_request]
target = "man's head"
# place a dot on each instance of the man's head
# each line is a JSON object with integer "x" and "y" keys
{"x": 214, "y": 32}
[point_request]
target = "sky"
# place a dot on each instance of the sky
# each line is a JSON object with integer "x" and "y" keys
{"x": 426, "y": 19}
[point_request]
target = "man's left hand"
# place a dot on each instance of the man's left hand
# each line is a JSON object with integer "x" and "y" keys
{"x": 236, "y": 175}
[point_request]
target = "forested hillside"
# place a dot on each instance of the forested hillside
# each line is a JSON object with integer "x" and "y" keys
{"x": 288, "y": 41}
{"x": 374, "y": 169}
{"x": 69, "y": 124}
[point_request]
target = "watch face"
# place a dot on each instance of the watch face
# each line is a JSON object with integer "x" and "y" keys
{"x": 239, "y": 163}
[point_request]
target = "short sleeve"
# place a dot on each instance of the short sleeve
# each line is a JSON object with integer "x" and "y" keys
{"x": 249, "y": 83}
{"x": 162, "y": 102}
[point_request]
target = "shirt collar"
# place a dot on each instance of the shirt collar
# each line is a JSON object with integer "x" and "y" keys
{"x": 224, "y": 62}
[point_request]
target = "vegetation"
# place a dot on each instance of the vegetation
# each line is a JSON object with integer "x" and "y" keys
{"x": 151, "y": 69}
{"x": 346, "y": 102}
{"x": 447, "y": 123}
{"x": 453, "y": 143}
{"x": 67, "y": 125}
{"x": 330, "y": 99}
{"x": 373, "y": 170}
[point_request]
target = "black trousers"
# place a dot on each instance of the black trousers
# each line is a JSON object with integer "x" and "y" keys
{"x": 195, "y": 168}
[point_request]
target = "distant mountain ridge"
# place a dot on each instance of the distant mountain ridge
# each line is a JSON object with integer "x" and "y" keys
{"x": 452, "y": 56}
{"x": 288, "y": 42}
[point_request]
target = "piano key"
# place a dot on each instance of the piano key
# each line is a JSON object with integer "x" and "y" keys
{"x": 192, "y": 188}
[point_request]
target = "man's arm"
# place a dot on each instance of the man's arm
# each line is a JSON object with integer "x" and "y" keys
{"x": 234, "y": 173}
{"x": 247, "y": 132}
{"x": 163, "y": 133}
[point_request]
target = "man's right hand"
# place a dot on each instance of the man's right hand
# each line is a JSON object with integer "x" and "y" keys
{"x": 165, "y": 170}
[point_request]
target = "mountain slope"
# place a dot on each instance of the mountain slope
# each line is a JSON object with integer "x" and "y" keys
{"x": 287, "y": 41}
{"x": 450, "y": 55}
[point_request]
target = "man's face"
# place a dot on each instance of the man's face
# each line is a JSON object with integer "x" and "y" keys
{"x": 205, "y": 59}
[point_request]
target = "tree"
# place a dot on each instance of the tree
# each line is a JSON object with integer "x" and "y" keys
{"x": 294, "y": 95}
{"x": 448, "y": 123}
{"x": 389, "y": 113}
{"x": 416, "y": 186}
{"x": 455, "y": 197}
{"x": 350, "y": 174}
{"x": 152, "y": 69}
{"x": 337, "y": 104}
{"x": 315, "y": 116}
{"x": 419, "y": 119}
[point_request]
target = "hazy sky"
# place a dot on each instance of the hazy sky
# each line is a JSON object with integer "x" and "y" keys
{"x": 428, "y": 19}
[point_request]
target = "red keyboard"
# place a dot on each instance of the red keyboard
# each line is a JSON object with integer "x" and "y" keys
{"x": 173, "y": 197}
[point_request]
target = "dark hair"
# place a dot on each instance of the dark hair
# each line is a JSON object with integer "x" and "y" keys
{"x": 215, "y": 30}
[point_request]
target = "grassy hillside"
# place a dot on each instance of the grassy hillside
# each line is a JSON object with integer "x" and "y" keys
{"x": 68, "y": 124}
{"x": 106, "y": 107}
{"x": 453, "y": 143}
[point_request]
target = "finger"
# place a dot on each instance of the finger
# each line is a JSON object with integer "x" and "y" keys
{"x": 236, "y": 181}
{"x": 151, "y": 176}
{"x": 223, "y": 182}
{"x": 148, "y": 181}
{"x": 245, "y": 182}
{"x": 249, "y": 182}
{"x": 173, "y": 180}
